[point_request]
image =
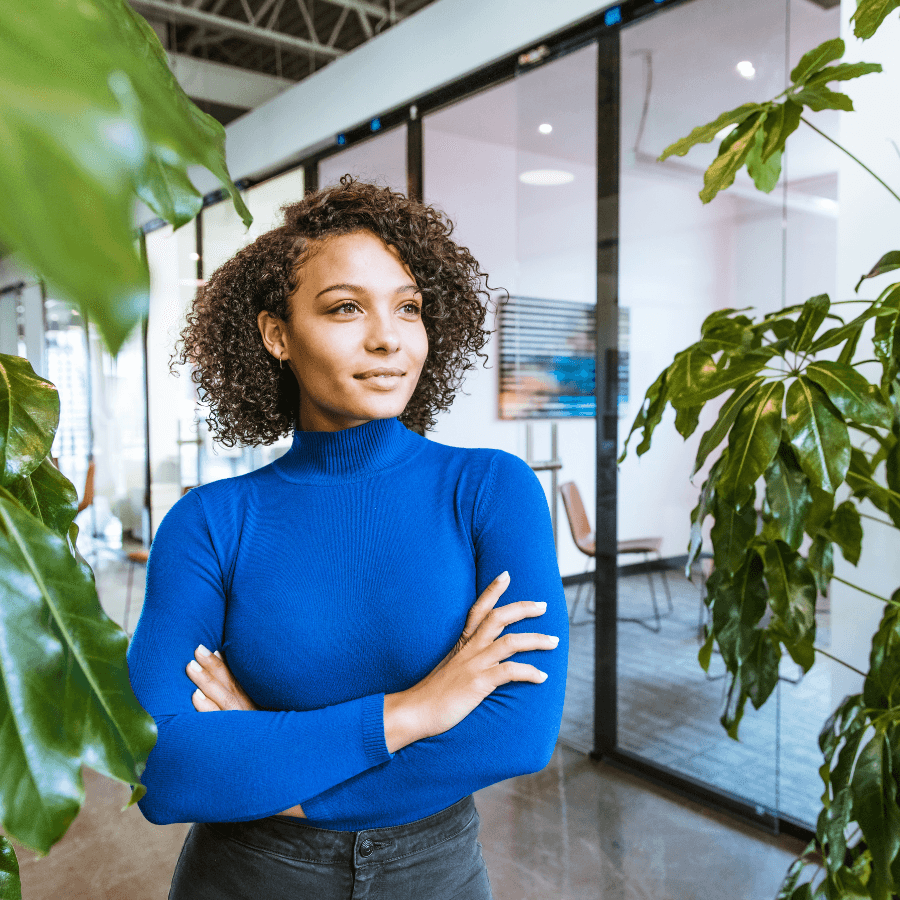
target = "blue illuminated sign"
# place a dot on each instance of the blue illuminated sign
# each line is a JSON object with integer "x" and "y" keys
{"x": 375, "y": 124}
{"x": 613, "y": 16}
{"x": 342, "y": 138}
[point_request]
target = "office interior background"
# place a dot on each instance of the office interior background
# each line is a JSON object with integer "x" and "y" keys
{"x": 536, "y": 127}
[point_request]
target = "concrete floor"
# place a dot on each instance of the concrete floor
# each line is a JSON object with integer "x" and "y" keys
{"x": 578, "y": 830}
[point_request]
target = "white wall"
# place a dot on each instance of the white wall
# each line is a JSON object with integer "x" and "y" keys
{"x": 868, "y": 226}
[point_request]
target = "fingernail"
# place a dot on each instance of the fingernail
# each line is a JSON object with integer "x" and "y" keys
{"x": 198, "y": 691}
{"x": 545, "y": 676}
{"x": 555, "y": 638}
{"x": 216, "y": 653}
{"x": 503, "y": 576}
{"x": 194, "y": 666}
{"x": 202, "y": 650}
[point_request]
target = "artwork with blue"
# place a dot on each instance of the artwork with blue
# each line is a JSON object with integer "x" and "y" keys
{"x": 547, "y": 359}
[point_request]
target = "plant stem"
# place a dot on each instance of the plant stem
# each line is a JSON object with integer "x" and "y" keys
{"x": 862, "y": 590}
{"x": 836, "y": 144}
{"x": 826, "y": 653}
{"x": 876, "y": 519}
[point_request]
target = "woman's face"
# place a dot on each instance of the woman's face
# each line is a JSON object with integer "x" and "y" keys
{"x": 357, "y": 309}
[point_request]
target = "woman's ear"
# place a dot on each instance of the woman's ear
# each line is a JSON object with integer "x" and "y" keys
{"x": 270, "y": 327}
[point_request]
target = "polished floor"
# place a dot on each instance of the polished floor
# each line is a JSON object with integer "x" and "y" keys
{"x": 578, "y": 830}
{"x": 668, "y": 709}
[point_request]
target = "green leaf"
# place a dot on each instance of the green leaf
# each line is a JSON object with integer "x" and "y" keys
{"x": 881, "y": 689}
{"x": 753, "y": 442}
{"x": 779, "y": 126}
{"x": 844, "y": 72}
{"x": 650, "y": 413}
{"x": 29, "y": 415}
{"x": 703, "y": 134}
{"x": 759, "y": 669}
{"x": 870, "y": 14}
{"x": 851, "y": 393}
{"x": 874, "y": 793}
{"x": 820, "y": 97}
{"x": 690, "y": 369}
{"x": 738, "y": 602}
{"x": 764, "y": 172}
{"x": 816, "y": 59}
{"x": 49, "y": 496}
{"x": 699, "y": 513}
{"x": 818, "y": 436}
{"x": 788, "y": 496}
{"x": 66, "y": 699}
{"x": 887, "y": 263}
{"x": 845, "y": 529}
{"x": 820, "y": 560}
{"x": 709, "y": 382}
{"x": 733, "y": 154}
{"x": 711, "y": 439}
{"x": 821, "y": 509}
{"x": 687, "y": 419}
{"x": 786, "y": 892}
{"x": 813, "y": 315}
{"x": 792, "y": 596}
{"x": 92, "y": 114}
{"x": 733, "y": 529}
{"x": 10, "y": 885}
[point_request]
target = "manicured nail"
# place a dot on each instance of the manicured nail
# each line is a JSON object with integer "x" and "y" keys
{"x": 198, "y": 691}
{"x": 216, "y": 653}
{"x": 194, "y": 666}
{"x": 202, "y": 650}
{"x": 541, "y": 605}
{"x": 503, "y": 576}
{"x": 555, "y": 639}
{"x": 545, "y": 676}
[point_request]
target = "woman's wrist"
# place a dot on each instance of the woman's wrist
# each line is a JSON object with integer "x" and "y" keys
{"x": 402, "y": 721}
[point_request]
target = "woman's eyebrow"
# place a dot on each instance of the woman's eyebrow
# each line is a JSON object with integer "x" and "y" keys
{"x": 358, "y": 289}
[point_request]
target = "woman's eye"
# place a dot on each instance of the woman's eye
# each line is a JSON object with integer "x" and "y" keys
{"x": 414, "y": 307}
{"x": 349, "y": 303}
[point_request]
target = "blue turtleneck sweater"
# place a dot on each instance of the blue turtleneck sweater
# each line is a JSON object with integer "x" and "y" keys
{"x": 342, "y": 571}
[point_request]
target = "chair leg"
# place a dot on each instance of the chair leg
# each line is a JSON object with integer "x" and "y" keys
{"x": 665, "y": 580}
{"x": 578, "y": 595}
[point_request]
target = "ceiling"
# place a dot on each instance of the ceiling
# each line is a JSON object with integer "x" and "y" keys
{"x": 286, "y": 39}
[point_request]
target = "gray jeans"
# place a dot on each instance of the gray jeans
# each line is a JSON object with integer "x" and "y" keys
{"x": 281, "y": 858}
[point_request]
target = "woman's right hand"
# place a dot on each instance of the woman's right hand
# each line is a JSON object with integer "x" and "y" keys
{"x": 469, "y": 672}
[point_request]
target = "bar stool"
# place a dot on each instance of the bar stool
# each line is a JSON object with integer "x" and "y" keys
{"x": 585, "y": 540}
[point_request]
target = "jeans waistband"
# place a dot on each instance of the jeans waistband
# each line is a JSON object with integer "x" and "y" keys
{"x": 291, "y": 837}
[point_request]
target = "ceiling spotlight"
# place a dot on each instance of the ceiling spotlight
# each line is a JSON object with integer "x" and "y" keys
{"x": 746, "y": 69}
{"x": 546, "y": 177}
{"x": 195, "y": 257}
{"x": 545, "y": 128}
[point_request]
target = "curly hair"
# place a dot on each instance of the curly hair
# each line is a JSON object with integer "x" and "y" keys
{"x": 252, "y": 399}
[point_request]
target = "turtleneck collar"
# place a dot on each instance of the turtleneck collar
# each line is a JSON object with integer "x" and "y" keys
{"x": 352, "y": 454}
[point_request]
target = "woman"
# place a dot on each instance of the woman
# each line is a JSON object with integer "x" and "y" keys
{"x": 357, "y": 696}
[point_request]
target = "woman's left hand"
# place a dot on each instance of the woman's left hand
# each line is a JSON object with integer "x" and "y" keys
{"x": 217, "y": 688}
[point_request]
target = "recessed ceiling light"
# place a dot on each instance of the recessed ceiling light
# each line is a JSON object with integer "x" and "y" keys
{"x": 546, "y": 177}
{"x": 746, "y": 69}
{"x": 545, "y": 128}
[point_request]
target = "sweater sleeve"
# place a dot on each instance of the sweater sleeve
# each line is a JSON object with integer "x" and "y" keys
{"x": 233, "y": 765}
{"x": 514, "y": 730}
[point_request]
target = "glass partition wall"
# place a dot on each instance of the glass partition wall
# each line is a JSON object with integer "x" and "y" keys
{"x": 602, "y": 265}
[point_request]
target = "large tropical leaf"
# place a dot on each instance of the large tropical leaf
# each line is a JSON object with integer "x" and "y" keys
{"x": 870, "y": 14}
{"x": 856, "y": 398}
{"x": 727, "y": 414}
{"x": 752, "y": 443}
{"x": 29, "y": 414}
{"x": 90, "y": 114}
{"x": 66, "y": 699}
{"x": 818, "y": 436}
{"x": 788, "y": 496}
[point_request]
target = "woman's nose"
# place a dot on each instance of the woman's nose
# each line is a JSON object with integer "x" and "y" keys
{"x": 382, "y": 333}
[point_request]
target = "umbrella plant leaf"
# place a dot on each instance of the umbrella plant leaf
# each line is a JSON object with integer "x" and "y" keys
{"x": 10, "y": 884}
{"x": 29, "y": 415}
{"x": 779, "y": 126}
{"x": 788, "y": 496}
{"x": 870, "y": 14}
{"x": 689, "y": 370}
{"x": 851, "y": 393}
{"x": 733, "y": 153}
{"x": 732, "y": 531}
{"x": 819, "y": 437}
{"x": 765, "y": 171}
{"x": 703, "y": 134}
{"x": 66, "y": 699}
{"x": 687, "y": 419}
{"x": 759, "y": 668}
{"x": 887, "y": 263}
{"x": 753, "y": 442}
{"x": 844, "y": 528}
{"x": 812, "y": 316}
{"x": 816, "y": 59}
{"x": 727, "y": 414}
{"x": 820, "y": 560}
{"x": 820, "y": 97}
{"x": 843, "y": 72}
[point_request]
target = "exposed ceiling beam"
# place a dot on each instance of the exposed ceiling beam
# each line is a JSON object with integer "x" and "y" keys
{"x": 233, "y": 26}
{"x": 362, "y": 6}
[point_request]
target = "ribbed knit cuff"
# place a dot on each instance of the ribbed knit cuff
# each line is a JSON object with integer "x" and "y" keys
{"x": 373, "y": 729}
